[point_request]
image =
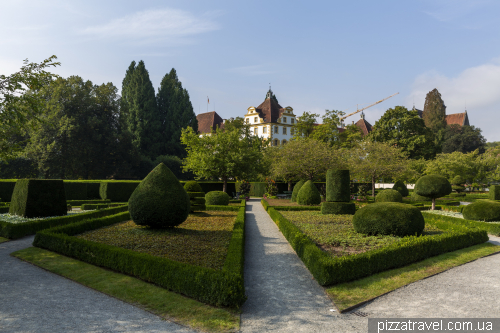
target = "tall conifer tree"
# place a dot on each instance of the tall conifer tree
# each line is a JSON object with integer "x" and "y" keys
{"x": 434, "y": 111}
{"x": 143, "y": 120}
{"x": 125, "y": 98}
{"x": 177, "y": 111}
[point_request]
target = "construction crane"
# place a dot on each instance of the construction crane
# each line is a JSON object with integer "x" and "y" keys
{"x": 369, "y": 106}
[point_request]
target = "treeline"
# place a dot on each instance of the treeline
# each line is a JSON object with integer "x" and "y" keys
{"x": 88, "y": 131}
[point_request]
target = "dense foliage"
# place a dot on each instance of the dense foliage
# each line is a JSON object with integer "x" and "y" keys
{"x": 296, "y": 190}
{"x": 192, "y": 186}
{"x": 482, "y": 210}
{"x": 464, "y": 139}
{"x": 217, "y": 198}
{"x": 308, "y": 194}
{"x": 433, "y": 186}
{"x": 400, "y": 186}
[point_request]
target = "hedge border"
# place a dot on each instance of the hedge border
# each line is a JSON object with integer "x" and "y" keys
{"x": 81, "y": 202}
{"x": 490, "y": 228}
{"x": 266, "y": 206}
{"x": 220, "y": 288}
{"x": 328, "y": 270}
{"x": 18, "y": 230}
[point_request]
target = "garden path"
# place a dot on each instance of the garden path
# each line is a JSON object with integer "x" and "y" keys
{"x": 34, "y": 300}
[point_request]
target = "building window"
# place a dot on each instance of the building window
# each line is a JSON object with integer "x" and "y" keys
{"x": 276, "y": 142}
{"x": 276, "y": 129}
{"x": 284, "y": 119}
{"x": 247, "y": 120}
{"x": 284, "y": 130}
{"x": 292, "y": 120}
{"x": 284, "y": 142}
{"x": 264, "y": 130}
{"x": 254, "y": 119}
{"x": 256, "y": 130}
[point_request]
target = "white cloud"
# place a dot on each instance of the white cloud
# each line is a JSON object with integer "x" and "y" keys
{"x": 449, "y": 10}
{"x": 152, "y": 25}
{"x": 478, "y": 86}
{"x": 250, "y": 70}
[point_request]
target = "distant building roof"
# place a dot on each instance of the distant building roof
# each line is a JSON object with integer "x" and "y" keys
{"x": 270, "y": 110}
{"x": 457, "y": 118}
{"x": 365, "y": 126}
{"x": 208, "y": 121}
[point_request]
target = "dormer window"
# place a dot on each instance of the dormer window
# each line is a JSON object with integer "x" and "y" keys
{"x": 254, "y": 119}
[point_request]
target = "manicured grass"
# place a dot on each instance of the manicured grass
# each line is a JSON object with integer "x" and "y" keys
{"x": 159, "y": 301}
{"x": 348, "y": 295}
{"x": 3, "y": 239}
{"x": 336, "y": 235}
{"x": 201, "y": 240}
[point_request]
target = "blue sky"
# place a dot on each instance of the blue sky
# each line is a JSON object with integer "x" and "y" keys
{"x": 317, "y": 55}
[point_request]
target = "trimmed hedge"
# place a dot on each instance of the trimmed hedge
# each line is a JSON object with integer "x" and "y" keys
{"x": 490, "y": 228}
{"x": 338, "y": 208}
{"x": 217, "y": 287}
{"x": 81, "y": 202}
{"x": 192, "y": 186}
{"x": 482, "y": 210}
{"x": 308, "y": 194}
{"x": 389, "y": 218}
{"x": 329, "y": 270}
{"x": 266, "y": 206}
{"x": 257, "y": 189}
{"x": 494, "y": 193}
{"x": 4, "y": 209}
{"x": 94, "y": 206}
{"x": 93, "y": 190}
{"x": 38, "y": 198}
{"x": 6, "y": 189}
{"x": 217, "y": 198}
{"x": 389, "y": 195}
{"x": 75, "y": 190}
{"x": 18, "y": 230}
{"x": 197, "y": 201}
{"x": 433, "y": 186}
{"x": 338, "y": 185}
{"x": 117, "y": 191}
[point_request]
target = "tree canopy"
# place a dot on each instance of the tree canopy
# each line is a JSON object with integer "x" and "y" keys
{"x": 464, "y": 139}
{"x": 305, "y": 125}
{"x": 404, "y": 129}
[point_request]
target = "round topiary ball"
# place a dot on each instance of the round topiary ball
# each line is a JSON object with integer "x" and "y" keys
{"x": 296, "y": 190}
{"x": 389, "y": 195}
{"x": 433, "y": 186}
{"x": 309, "y": 194}
{"x": 401, "y": 188}
{"x": 192, "y": 186}
{"x": 482, "y": 210}
{"x": 160, "y": 200}
{"x": 218, "y": 198}
{"x": 389, "y": 218}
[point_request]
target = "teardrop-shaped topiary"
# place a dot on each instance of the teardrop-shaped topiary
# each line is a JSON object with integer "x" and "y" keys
{"x": 192, "y": 186}
{"x": 160, "y": 200}
{"x": 401, "y": 188}
{"x": 296, "y": 190}
{"x": 309, "y": 194}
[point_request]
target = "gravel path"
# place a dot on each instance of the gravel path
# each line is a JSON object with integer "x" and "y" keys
{"x": 34, "y": 300}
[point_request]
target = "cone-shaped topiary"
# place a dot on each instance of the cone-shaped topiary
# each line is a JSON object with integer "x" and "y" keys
{"x": 482, "y": 210}
{"x": 433, "y": 186}
{"x": 401, "y": 188}
{"x": 296, "y": 190}
{"x": 389, "y": 218}
{"x": 192, "y": 186}
{"x": 389, "y": 195}
{"x": 308, "y": 194}
{"x": 218, "y": 198}
{"x": 160, "y": 200}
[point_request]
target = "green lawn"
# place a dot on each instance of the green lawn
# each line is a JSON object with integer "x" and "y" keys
{"x": 166, "y": 304}
{"x": 3, "y": 239}
{"x": 350, "y": 294}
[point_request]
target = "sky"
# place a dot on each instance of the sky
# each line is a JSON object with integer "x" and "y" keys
{"x": 316, "y": 55}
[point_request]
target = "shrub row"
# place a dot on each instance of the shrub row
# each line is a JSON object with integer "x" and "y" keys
{"x": 81, "y": 202}
{"x": 266, "y": 206}
{"x": 18, "y": 230}
{"x": 490, "y": 228}
{"x": 94, "y": 206}
{"x": 329, "y": 270}
{"x": 4, "y": 209}
{"x": 6, "y": 189}
{"x": 221, "y": 288}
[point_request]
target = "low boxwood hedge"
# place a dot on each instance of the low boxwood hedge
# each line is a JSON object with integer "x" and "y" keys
{"x": 217, "y": 287}
{"x": 95, "y": 206}
{"x": 266, "y": 206}
{"x": 81, "y": 202}
{"x": 490, "y": 228}
{"x": 329, "y": 270}
{"x": 18, "y": 230}
{"x": 482, "y": 210}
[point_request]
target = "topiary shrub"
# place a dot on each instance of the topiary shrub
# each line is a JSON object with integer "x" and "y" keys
{"x": 160, "y": 200}
{"x": 218, "y": 198}
{"x": 296, "y": 190}
{"x": 117, "y": 191}
{"x": 389, "y": 196}
{"x": 389, "y": 218}
{"x": 415, "y": 197}
{"x": 457, "y": 184}
{"x": 482, "y": 210}
{"x": 338, "y": 208}
{"x": 38, "y": 198}
{"x": 401, "y": 188}
{"x": 494, "y": 192}
{"x": 197, "y": 201}
{"x": 433, "y": 186}
{"x": 192, "y": 186}
{"x": 338, "y": 185}
{"x": 308, "y": 194}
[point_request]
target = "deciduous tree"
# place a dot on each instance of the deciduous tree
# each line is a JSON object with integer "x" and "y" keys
{"x": 463, "y": 139}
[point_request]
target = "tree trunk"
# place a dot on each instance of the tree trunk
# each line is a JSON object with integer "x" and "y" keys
{"x": 224, "y": 186}
{"x": 290, "y": 185}
{"x": 373, "y": 186}
{"x": 433, "y": 203}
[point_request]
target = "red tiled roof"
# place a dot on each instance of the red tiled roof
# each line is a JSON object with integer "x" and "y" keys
{"x": 457, "y": 118}
{"x": 208, "y": 120}
{"x": 364, "y": 125}
{"x": 270, "y": 110}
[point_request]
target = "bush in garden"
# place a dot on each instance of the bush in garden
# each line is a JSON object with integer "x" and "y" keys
{"x": 401, "y": 188}
{"x": 433, "y": 186}
{"x": 389, "y": 218}
{"x": 338, "y": 185}
{"x": 482, "y": 210}
{"x": 192, "y": 186}
{"x": 38, "y": 198}
{"x": 389, "y": 196}
{"x": 309, "y": 194}
{"x": 271, "y": 188}
{"x": 457, "y": 184}
{"x": 415, "y": 197}
{"x": 218, "y": 198}
{"x": 494, "y": 192}
{"x": 160, "y": 200}
{"x": 243, "y": 187}
{"x": 296, "y": 190}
